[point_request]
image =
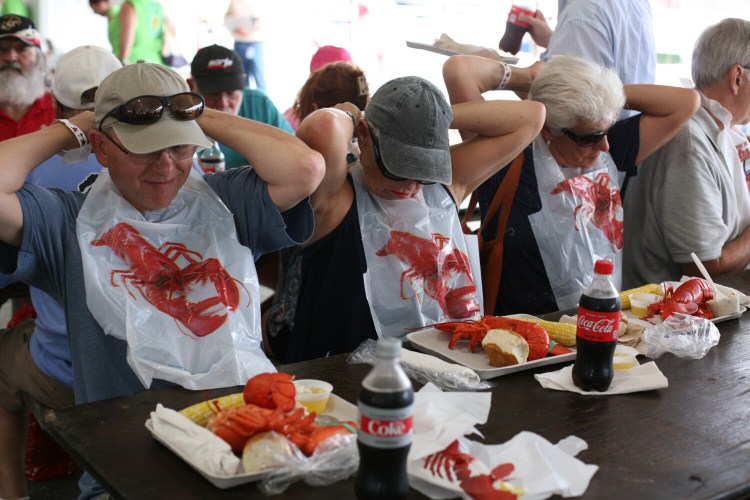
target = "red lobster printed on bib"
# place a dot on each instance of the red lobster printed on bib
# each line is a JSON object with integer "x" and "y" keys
{"x": 154, "y": 273}
{"x": 601, "y": 205}
{"x": 431, "y": 265}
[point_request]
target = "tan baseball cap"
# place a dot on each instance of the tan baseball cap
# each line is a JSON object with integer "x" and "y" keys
{"x": 142, "y": 79}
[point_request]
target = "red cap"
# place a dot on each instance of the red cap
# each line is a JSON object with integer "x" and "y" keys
{"x": 604, "y": 267}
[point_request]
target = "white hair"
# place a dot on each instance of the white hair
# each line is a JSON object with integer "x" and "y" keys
{"x": 718, "y": 48}
{"x": 575, "y": 90}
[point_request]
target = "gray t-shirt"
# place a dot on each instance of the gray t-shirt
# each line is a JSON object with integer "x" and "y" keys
{"x": 50, "y": 259}
{"x": 683, "y": 200}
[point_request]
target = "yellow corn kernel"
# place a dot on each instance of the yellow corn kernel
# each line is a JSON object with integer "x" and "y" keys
{"x": 650, "y": 288}
{"x": 200, "y": 412}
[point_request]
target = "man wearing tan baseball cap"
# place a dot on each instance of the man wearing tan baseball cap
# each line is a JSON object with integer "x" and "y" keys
{"x": 127, "y": 257}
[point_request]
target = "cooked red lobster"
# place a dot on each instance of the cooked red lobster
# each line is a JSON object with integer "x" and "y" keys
{"x": 270, "y": 400}
{"x": 689, "y": 298}
{"x": 475, "y": 331}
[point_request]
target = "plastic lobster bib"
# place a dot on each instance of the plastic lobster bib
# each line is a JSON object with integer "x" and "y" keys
{"x": 581, "y": 221}
{"x": 175, "y": 284}
{"x": 418, "y": 270}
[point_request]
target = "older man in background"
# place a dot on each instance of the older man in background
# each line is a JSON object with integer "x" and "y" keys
{"x": 697, "y": 200}
{"x": 218, "y": 76}
{"x": 25, "y": 103}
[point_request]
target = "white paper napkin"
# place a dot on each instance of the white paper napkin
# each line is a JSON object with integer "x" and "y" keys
{"x": 645, "y": 377}
{"x": 540, "y": 469}
{"x": 197, "y": 445}
{"x": 446, "y": 375}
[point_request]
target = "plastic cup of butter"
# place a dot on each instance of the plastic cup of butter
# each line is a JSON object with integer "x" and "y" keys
{"x": 640, "y": 301}
{"x": 313, "y": 394}
{"x": 624, "y": 357}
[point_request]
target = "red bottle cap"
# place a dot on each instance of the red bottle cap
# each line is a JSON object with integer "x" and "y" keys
{"x": 604, "y": 267}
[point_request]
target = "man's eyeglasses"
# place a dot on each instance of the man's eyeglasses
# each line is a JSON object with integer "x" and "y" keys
{"x": 148, "y": 109}
{"x": 176, "y": 153}
{"x": 586, "y": 140}
{"x": 381, "y": 165}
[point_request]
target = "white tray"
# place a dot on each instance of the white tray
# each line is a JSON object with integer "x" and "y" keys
{"x": 337, "y": 407}
{"x": 433, "y": 341}
{"x": 446, "y": 52}
{"x": 674, "y": 284}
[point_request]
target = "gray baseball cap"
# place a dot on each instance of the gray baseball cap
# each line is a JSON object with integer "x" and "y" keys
{"x": 413, "y": 119}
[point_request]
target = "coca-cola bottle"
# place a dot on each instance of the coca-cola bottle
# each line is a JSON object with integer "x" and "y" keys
{"x": 211, "y": 159}
{"x": 386, "y": 413}
{"x": 515, "y": 29}
{"x": 597, "y": 330}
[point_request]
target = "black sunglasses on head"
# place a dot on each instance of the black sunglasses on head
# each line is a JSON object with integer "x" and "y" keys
{"x": 586, "y": 140}
{"x": 148, "y": 109}
{"x": 381, "y": 165}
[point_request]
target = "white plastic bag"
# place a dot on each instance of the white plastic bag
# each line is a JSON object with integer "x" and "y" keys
{"x": 175, "y": 284}
{"x": 683, "y": 335}
{"x": 418, "y": 269}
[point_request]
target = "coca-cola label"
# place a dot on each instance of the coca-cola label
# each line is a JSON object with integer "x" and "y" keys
{"x": 515, "y": 10}
{"x": 385, "y": 427}
{"x": 598, "y": 326}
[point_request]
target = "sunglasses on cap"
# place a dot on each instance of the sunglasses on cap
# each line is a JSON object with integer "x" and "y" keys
{"x": 586, "y": 140}
{"x": 381, "y": 165}
{"x": 148, "y": 109}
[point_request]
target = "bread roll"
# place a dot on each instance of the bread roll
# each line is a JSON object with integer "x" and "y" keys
{"x": 266, "y": 450}
{"x": 505, "y": 348}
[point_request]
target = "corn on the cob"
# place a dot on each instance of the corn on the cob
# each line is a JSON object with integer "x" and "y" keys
{"x": 562, "y": 333}
{"x": 650, "y": 288}
{"x": 200, "y": 412}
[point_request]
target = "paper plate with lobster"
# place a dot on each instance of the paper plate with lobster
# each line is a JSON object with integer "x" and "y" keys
{"x": 654, "y": 303}
{"x": 265, "y": 426}
{"x": 498, "y": 345}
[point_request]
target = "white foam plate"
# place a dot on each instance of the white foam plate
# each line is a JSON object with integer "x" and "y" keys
{"x": 721, "y": 288}
{"x": 433, "y": 341}
{"x": 337, "y": 407}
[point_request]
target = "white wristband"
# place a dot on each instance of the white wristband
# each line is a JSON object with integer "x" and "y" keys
{"x": 506, "y": 76}
{"x": 79, "y": 134}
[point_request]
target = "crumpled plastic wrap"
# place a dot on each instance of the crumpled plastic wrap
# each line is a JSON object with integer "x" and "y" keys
{"x": 683, "y": 335}
{"x": 334, "y": 460}
{"x": 425, "y": 368}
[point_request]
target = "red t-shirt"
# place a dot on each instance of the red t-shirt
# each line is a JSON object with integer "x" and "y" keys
{"x": 41, "y": 113}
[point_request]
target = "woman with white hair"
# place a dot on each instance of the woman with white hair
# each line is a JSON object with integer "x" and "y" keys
{"x": 567, "y": 210}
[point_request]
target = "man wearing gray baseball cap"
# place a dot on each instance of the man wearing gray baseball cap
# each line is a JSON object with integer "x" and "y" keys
{"x": 389, "y": 221}
{"x": 155, "y": 264}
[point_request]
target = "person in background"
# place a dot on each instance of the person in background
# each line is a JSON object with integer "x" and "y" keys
{"x": 326, "y": 54}
{"x": 17, "y": 7}
{"x": 217, "y": 75}
{"x": 692, "y": 195}
{"x": 616, "y": 34}
{"x": 25, "y": 103}
{"x": 136, "y": 28}
{"x": 401, "y": 195}
{"x": 244, "y": 19}
{"x": 327, "y": 86}
{"x": 567, "y": 212}
{"x": 35, "y": 356}
{"x": 145, "y": 131}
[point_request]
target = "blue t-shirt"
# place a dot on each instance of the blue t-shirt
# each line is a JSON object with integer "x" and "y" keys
{"x": 524, "y": 286}
{"x": 49, "y": 344}
{"x": 49, "y": 258}
{"x": 256, "y": 106}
